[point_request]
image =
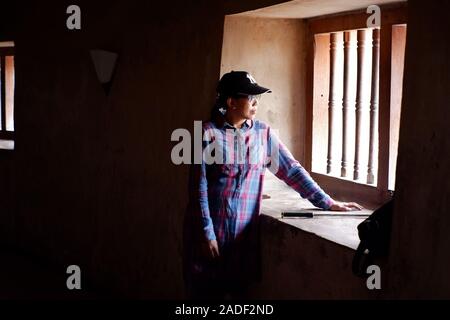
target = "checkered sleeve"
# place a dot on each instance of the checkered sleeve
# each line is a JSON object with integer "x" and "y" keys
{"x": 284, "y": 166}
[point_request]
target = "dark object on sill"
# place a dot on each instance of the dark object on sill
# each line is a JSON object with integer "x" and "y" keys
{"x": 309, "y": 214}
{"x": 375, "y": 234}
{"x": 301, "y": 214}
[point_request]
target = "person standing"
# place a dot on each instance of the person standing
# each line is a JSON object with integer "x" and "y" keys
{"x": 221, "y": 253}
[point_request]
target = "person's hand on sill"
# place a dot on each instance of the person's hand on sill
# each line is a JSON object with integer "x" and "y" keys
{"x": 345, "y": 206}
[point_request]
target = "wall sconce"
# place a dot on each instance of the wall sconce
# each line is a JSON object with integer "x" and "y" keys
{"x": 104, "y": 63}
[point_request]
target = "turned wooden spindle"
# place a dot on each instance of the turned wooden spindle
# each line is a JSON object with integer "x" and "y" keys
{"x": 335, "y": 40}
{"x": 361, "y": 36}
{"x": 346, "y": 103}
{"x": 373, "y": 103}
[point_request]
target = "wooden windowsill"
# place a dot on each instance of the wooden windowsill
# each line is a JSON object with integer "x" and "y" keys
{"x": 7, "y": 145}
{"x": 339, "y": 229}
{"x": 350, "y": 191}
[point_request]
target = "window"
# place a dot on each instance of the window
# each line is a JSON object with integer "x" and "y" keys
{"x": 355, "y": 82}
{"x": 6, "y": 95}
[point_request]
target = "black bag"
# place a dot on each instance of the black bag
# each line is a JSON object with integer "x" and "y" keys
{"x": 374, "y": 233}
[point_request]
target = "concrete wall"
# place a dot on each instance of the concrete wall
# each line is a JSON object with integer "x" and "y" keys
{"x": 91, "y": 181}
{"x": 84, "y": 184}
{"x": 297, "y": 265}
{"x": 420, "y": 260}
{"x": 273, "y": 51}
{"x": 300, "y": 265}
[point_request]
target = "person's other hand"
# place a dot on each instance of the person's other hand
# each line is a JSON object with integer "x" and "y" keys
{"x": 345, "y": 206}
{"x": 212, "y": 249}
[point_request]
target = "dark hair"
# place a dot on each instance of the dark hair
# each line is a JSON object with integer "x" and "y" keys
{"x": 216, "y": 115}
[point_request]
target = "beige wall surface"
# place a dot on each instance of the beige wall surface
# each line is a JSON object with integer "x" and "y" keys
{"x": 273, "y": 51}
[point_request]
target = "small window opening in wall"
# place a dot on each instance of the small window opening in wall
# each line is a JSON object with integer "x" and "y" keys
{"x": 7, "y": 95}
{"x": 346, "y": 102}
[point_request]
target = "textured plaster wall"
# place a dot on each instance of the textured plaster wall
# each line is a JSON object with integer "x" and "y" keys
{"x": 273, "y": 51}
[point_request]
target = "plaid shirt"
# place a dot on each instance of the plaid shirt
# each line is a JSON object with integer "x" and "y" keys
{"x": 227, "y": 193}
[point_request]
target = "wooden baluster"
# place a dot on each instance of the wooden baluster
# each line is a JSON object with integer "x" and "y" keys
{"x": 374, "y": 102}
{"x": 359, "y": 100}
{"x": 2, "y": 94}
{"x": 335, "y": 40}
{"x": 9, "y": 93}
{"x": 346, "y": 104}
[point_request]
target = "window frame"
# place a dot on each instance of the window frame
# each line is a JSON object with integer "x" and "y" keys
{"x": 344, "y": 190}
{"x": 5, "y": 134}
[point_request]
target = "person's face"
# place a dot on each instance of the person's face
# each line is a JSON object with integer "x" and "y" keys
{"x": 243, "y": 107}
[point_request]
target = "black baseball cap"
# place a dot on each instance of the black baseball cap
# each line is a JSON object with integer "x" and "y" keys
{"x": 239, "y": 82}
